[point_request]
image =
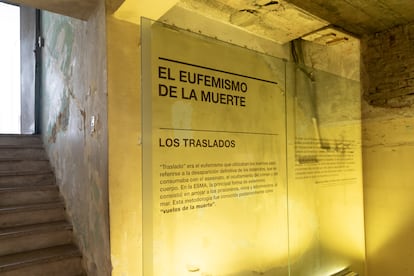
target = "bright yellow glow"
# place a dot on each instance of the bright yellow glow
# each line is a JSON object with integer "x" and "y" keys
{"x": 315, "y": 226}
{"x": 302, "y": 227}
{"x": 388, "y": 177}
{"x": 132, "y": 10}
{"x": 239, "y": 234}
{"x": 326, "y": 221}
{"x": 390, "y": 207}
{"x": 124, "y": 148}
{"x": 336, "y": 269}
{"x": 212, "y": 252}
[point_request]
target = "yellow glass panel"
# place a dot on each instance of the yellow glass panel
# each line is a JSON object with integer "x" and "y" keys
{"x": 214, "y": 157}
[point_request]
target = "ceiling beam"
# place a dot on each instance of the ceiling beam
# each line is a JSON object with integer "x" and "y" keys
{"x": 133, "y": 10}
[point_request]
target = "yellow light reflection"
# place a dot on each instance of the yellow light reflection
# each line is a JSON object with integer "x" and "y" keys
{"x": 302, "y": 228}
{"x": 132, "y": 10}
{"x": 389, "y": 208}
{"x": 220, "y": 247}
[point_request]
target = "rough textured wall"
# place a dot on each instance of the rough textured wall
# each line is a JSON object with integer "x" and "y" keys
{"x": 388, "y": 150}
{"x": 389, "y": 64}
{"x": 73, "y": 95}
{"x": 325, "y": 58}
{"x": 360, "y": 17}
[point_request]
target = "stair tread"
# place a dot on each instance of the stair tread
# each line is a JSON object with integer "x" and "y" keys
{"x": 18, "y": 139}
{"x": 27, "y": 179}
{"x": 50, "y": 254}
{"x": 15, "y": 135}
{"x": 27, "y": 187}
{"x": 21, "y": 159}
{"x": 17, "y": 231}
{"x": 21, "y": 173}
{"x": 30, "y": 207}
{"x": 24, "y": 159}
{"x": 21, "y": 146}
{"x": 26, "y": 226}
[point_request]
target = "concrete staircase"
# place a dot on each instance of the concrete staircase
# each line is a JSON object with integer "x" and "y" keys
{"x": 36, "y": 239}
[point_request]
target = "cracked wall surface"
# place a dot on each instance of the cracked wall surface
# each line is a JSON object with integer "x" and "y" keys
{"x": 278, "y": 21}
{"x": 73, "y": 92}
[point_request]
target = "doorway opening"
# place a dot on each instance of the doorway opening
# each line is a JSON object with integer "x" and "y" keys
{"x": 10, "y": 107}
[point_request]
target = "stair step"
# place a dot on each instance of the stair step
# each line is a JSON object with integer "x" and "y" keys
{"x": 38, "y": 178}
{"x": 16, "y": 231}
{"x": 32, "y": 214}
{"x": 17, "y": 195}
{"x": 27, "y": 187}
{"x": 18, "y": 139}
{"x": 59, "y": 260}
{"x": 35, "y": 237}
{"x": 22, "y": 173}
{"x": 16, "y": 165}
{"x": 30, "y": 237}
{"x": 23, "y": 152}
{"x": 21, "y": 146}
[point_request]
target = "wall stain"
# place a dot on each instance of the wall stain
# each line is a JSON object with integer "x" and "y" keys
{"x": 83, "y": 128}
{"x": 62, "y": 121}
{"x": 61, "y": 40}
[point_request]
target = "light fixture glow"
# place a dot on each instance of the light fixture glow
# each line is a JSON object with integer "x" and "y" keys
{"x": 345, "y": 272}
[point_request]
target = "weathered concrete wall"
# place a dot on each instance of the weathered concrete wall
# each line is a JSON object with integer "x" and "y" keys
{"x": 360, "y": 17}
{"x": 388, "y": 150}
{"x": 74, "y": 93}
{"x": 325, "y": 58}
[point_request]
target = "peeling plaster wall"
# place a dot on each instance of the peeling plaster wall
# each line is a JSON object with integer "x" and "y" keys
{"x": 388, "y": 150}
{"x": 73, "y": 92}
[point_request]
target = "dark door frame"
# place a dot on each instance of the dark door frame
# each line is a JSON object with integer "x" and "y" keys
{"x": 38, "y": 72}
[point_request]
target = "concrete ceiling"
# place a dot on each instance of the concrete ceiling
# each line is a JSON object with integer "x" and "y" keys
{"x": 285, "y": 20}
{"x": 361, "y": 17}
{"x": 275, "y": 20}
